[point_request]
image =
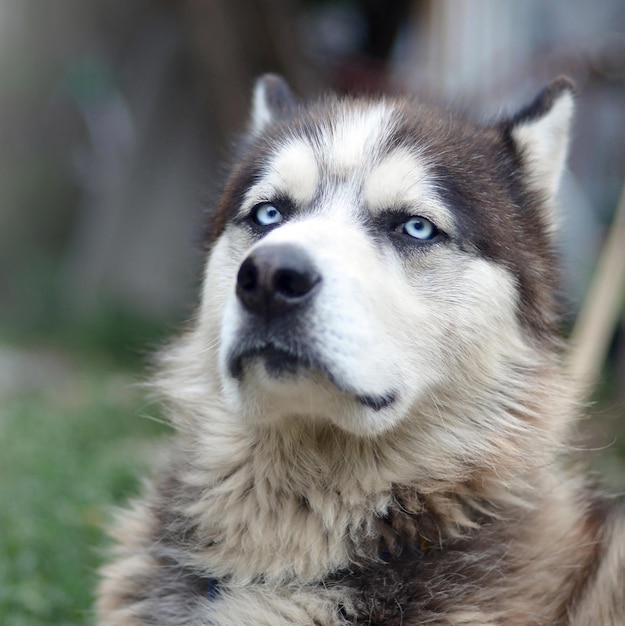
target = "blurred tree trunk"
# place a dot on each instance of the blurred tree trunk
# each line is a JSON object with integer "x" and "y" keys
{"x": 234, "y": 42}
{"x": 191, "y": 66}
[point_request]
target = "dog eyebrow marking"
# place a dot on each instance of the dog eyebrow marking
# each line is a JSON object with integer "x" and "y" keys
{"x": 402, "y": 181}
{"x": 292, "y": 172}
{"x": 399, "y": 177}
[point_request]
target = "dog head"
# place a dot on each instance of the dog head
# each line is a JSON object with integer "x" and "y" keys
{"x": 371, "y": 259}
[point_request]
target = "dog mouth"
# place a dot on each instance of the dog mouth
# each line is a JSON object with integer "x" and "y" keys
{"x": 291, "y": 361}
{"x": 278, "y": 361}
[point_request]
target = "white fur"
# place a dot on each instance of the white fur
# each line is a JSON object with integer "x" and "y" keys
{"x": 544, "y": 142}
{"x": 362, "y": 321}
{"x": 370, "y": 306}
{"x": 262, "y": 115}
{"x": 402, "y": 181}
{"x": 293, "y": 172}
{"x": 355, "y": 136}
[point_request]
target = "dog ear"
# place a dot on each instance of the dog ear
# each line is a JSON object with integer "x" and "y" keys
{"x": 540, "y": 131}
{"x": 272, "y": 101}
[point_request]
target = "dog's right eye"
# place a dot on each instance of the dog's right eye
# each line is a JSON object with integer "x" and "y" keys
{"x": 418, "y": 228}
{"x": 266, "y": 214}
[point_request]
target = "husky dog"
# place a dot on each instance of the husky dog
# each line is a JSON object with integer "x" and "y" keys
{"x": 371, "y": 402}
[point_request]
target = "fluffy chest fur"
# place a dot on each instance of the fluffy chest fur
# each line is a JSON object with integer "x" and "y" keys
{"x": 370, "y": 403}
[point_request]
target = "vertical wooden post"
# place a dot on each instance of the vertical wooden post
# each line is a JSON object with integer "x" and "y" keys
{"x": 597, "y": 320}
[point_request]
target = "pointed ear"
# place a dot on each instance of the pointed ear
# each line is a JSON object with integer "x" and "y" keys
{"x": 272, "y": 101}
{"x": 540, "y": 132}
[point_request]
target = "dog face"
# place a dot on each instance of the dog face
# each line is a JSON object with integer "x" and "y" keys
{"x": 373, "y": 258}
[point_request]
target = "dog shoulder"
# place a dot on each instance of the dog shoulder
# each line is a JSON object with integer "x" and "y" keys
{"x": 602, "y": 598}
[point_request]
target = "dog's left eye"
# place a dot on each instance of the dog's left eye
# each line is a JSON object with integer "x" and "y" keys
{"x": 418, "y": 228}
{"x": 266, "y": 214}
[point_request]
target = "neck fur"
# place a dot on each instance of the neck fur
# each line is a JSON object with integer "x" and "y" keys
{"x": 303, "y": 499}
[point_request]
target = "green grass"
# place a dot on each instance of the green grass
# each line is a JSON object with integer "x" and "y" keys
{"x": 69, "y": 449}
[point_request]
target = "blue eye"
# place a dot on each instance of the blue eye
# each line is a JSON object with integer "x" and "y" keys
{"x": 266, "y": 214}
{"x": 418, "y": 228}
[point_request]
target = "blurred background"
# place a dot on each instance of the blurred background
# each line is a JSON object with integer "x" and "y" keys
{"x": 114, "y": 118}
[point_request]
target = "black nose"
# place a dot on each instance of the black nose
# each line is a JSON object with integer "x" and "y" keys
{"x": 276, "y": 279}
